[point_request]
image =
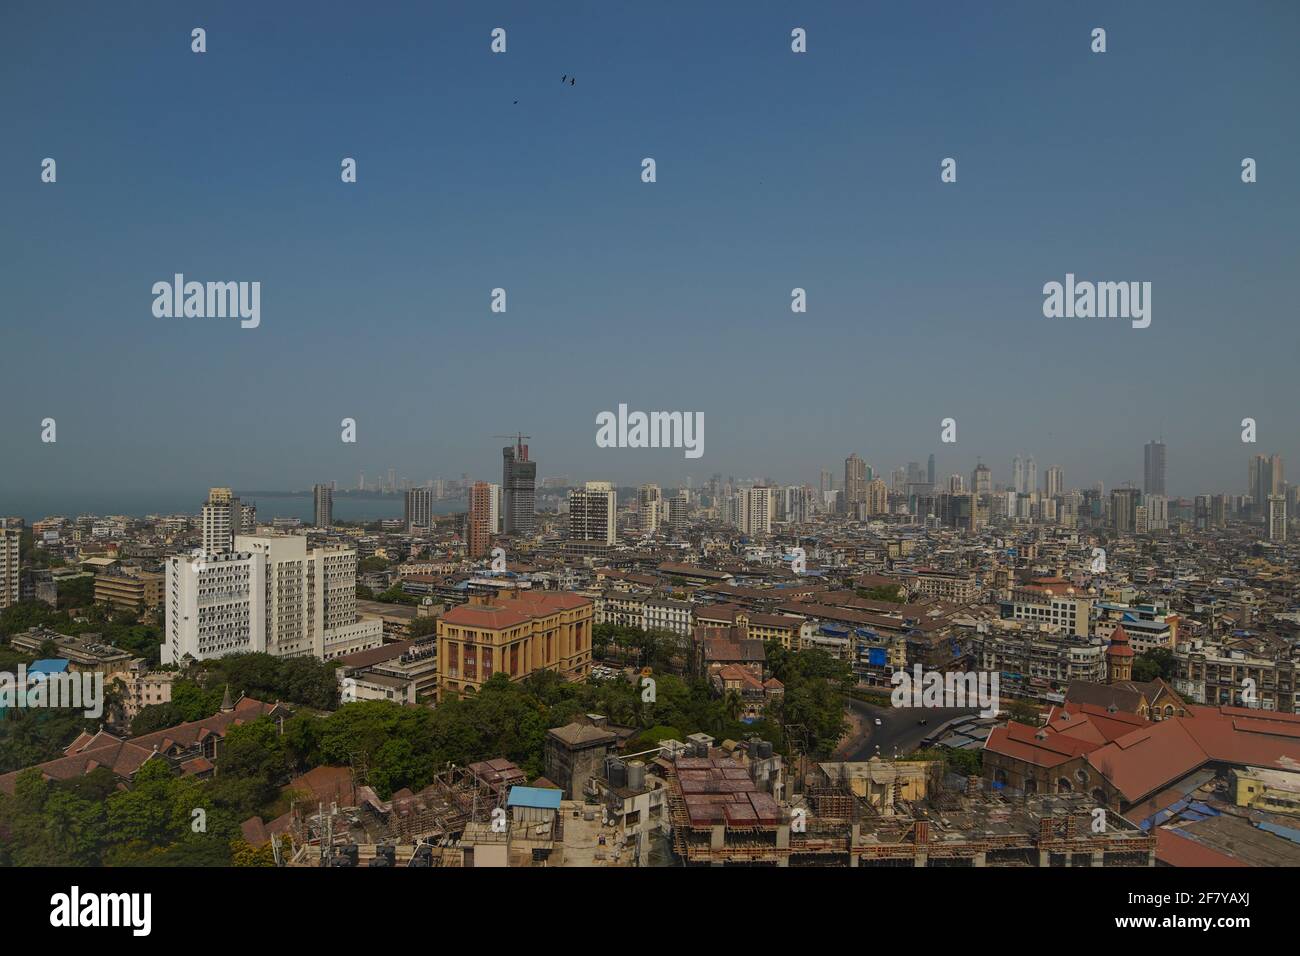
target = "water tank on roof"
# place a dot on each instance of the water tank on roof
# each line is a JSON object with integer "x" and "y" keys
{"x": 616, "y": 772}
{"x": 636, "y": 774}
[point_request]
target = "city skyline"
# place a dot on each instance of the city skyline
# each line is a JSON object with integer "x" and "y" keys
{"x": 817, "y": 172}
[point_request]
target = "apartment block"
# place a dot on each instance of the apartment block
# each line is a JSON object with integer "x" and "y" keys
{"x": 269, "y": 595}
{"x": 9, "y": 575}
{"x": 131, "y": 592}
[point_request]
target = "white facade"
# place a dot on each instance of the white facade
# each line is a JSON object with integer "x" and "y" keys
{"x": 754, "y": 509}
{"x": 211, "y": 610}
{"x": 1277, "y": 517}
{"x": 649, "y": 506}
{"x": 494, "y": 508}
{"x": 269, "y": 595}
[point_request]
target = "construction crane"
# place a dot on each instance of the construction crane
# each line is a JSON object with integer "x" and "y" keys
{"x": 518, "y": 439}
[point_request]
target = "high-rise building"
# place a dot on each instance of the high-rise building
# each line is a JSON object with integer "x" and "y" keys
{"x": 1266, "y": 478}
{"x": 981, "y": 479}
{"x": 855, "y": 482}
{"x": 267, "y": 594}
{"x": 1201, "y": 514}
{"x": 518, "y": 490}
{"x": 1031, "y": 476}
{"x": 929, "y": 471}
{"x": 1219, "y": 511}
{"x": 323, "y": 496}
{"x": 418, "y": 512}
{"x": 956, "y": 485}
{"x": 593, "y": 511}
{"x": 9, "y": 566}
{"x": 677, "y": 508}
{"x": 1054, "y": 481}
{"x": 1018, "y": 475}
{"x": 1157, "y": 512}
{"x": 225, "y": 516}
{"x": 494, "y": 514}
{"x": 649, "y": 499}
{"x": 827, "y": 483}
{"x": 481, "y": 526}
{"x": 1153, "y": 469}
{"x": 1277, "y": 517}
{"x": 754, "y": 507}
{"x": 1123, "y": 510}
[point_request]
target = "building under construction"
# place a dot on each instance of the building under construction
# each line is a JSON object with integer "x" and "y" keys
{"x": 437, "y": 817}
{"x": 720, "y": 816}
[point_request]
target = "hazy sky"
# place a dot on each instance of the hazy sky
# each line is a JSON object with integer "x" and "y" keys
{"x": 775, "y": 170}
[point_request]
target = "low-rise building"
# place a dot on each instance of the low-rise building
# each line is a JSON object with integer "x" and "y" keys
{"x": 517, "y": 636}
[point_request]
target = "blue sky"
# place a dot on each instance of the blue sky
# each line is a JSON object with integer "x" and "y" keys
{"x": 775, "y": 170}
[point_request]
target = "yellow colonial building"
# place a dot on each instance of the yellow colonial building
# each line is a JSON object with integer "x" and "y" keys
{"x": 518, "y": 635}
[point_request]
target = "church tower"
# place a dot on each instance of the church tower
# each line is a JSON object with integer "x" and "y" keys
{"x": 1119, "y": 657}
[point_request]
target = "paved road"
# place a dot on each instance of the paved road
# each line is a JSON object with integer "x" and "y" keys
{"x": 898, "y": 728}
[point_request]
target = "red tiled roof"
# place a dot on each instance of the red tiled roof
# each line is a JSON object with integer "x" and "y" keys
{"x": 514, "y": 611}
{"x": 1153, "y": 757}
{"x": 125, "y": 757}
{"x": 1021, "y": 742}
{"x": 1174, "y": 849}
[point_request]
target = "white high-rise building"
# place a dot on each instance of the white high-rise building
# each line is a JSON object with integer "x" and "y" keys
{"x": 649, "y": 502}
{"x": 1157, "y": 512}
{"x": 794, "y": 504}
{"x": 223, "y": 518}
{"x": 270, "y": 595}
{"x": 753, "y": 511}
{"x": 494, "y": 508}
{"x": 1277, "y": 517}
{"x": 1054, "y": 481}
{"x": 593, "y": 510}
{"x": 677, "y": 508}
{"x": 9, "y": 573}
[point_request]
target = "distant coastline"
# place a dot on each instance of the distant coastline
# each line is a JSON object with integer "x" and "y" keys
{"x": 348, "y": 506}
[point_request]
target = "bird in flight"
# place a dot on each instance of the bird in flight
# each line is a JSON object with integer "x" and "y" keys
{"x": 563, "y": 78}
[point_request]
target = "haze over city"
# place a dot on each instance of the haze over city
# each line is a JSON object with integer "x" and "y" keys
{"x": 775, "y": 171}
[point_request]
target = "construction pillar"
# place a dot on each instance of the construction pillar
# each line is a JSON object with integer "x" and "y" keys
{"x": 1098, "y": 858}
{"x": 717, "y": 837}
{"x": 980, "y": 859}
{"x": 1044, "y": 858}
